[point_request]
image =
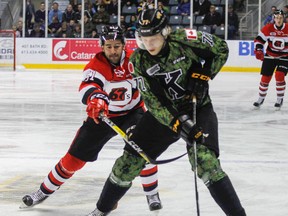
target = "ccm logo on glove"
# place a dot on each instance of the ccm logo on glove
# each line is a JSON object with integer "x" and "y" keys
{"x": 200, "y": 76}
{"x": 98, "y": 104}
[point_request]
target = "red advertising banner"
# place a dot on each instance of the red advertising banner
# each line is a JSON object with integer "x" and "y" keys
{"x": 79, "y": 49}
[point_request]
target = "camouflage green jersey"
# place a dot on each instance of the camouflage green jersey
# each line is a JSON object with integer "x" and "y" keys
{"x": 163, "y": 79}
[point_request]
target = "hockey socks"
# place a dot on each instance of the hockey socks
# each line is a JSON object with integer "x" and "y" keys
{"x": 110, "y": 196}
{"x": 149, "y": 179}
{"x": 225, "y": 196}
{"x": 280, "y": 88}
{"x": 263, "y": 89}
{"x": 63, "y": 171}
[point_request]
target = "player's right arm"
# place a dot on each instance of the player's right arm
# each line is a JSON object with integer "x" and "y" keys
{"x": 92, "y": 94}
{"x": 261, "y": 38}
{"x": 259, "y": 42}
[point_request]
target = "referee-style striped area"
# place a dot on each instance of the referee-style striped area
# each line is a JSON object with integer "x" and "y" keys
{"x": 40, "y": 112}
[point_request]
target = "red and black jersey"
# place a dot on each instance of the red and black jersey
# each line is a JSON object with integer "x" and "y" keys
{"x": 115, "y": 80}
{"x": 277, "y": 40}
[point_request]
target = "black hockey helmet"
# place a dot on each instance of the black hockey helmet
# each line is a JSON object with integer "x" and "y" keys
{"x": 278, "y": 12}
{"x": 111, "y": 32}
{"x": 151, "y": 22}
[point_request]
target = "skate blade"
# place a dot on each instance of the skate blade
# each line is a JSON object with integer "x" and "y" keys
{"x": 23, "y": 206}
{"x": 256, "y": 108}
{"x": 277, "y": 108}
{"x": 155, "y": 212}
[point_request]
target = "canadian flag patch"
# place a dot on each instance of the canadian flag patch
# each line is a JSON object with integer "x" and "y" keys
{"x": 191, "y": 34}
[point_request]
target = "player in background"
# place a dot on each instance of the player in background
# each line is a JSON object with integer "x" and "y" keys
{"x": 107, "y": 86}
{"x": 170, "y": 68}
{"x": 275, "y": 35}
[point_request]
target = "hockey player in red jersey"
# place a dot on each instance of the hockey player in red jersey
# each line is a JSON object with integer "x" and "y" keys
{"x": 108, "y": 87}
{"x": 276, "y": 57}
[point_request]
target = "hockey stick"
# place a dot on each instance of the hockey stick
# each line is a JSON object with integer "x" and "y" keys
{"x": 134, "y": 145}
{"x": 194, "y": 102}
{"x": 275, "y": 58}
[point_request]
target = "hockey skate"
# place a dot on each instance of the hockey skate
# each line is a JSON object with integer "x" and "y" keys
{"x": 33, "y": 199}
{"x": 154, "y": 202}
{"x": 97, "y": 212}
{"x": 278, "y": 103}
{"x": 258, "y": 103}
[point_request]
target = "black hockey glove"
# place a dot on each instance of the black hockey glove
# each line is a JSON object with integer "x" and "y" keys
{"x": 188, "y": 130}
{"x": 198, "y": 86}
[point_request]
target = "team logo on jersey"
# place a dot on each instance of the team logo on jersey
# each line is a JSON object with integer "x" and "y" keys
{"x": 278, "y": 43}
{"x": 170, "y": 80}
{"x": 119, "y": 73}
{"x": 118, "y": 94}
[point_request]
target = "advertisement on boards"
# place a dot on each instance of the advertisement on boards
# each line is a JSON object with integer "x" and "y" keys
{"x": 79, "y": 50}
{"x": 58, "y": 53}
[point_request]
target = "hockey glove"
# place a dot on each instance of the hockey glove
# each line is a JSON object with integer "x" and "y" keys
{"x": 259, "y": 54}
{"x": 188, "y": 130}
{"x": 198, "y": 86}
{"x": 97, "y": 104}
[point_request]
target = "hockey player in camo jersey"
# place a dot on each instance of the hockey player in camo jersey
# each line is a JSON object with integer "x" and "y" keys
{"x": 169, "y": 69}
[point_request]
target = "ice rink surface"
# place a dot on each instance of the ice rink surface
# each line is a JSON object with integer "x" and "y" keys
{"x": 40, "y": 112}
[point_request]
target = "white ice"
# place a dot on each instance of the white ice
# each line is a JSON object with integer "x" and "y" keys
{"x": 40, "y": 112}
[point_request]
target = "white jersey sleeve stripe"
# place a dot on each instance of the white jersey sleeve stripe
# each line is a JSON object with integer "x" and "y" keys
{"x": 84, "y": 90}
{"x": 49, "y": 185}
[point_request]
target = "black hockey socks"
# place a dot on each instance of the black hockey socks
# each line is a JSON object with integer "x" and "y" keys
{"x": 225, "y": 196}
{"x": 110, "y": 196}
